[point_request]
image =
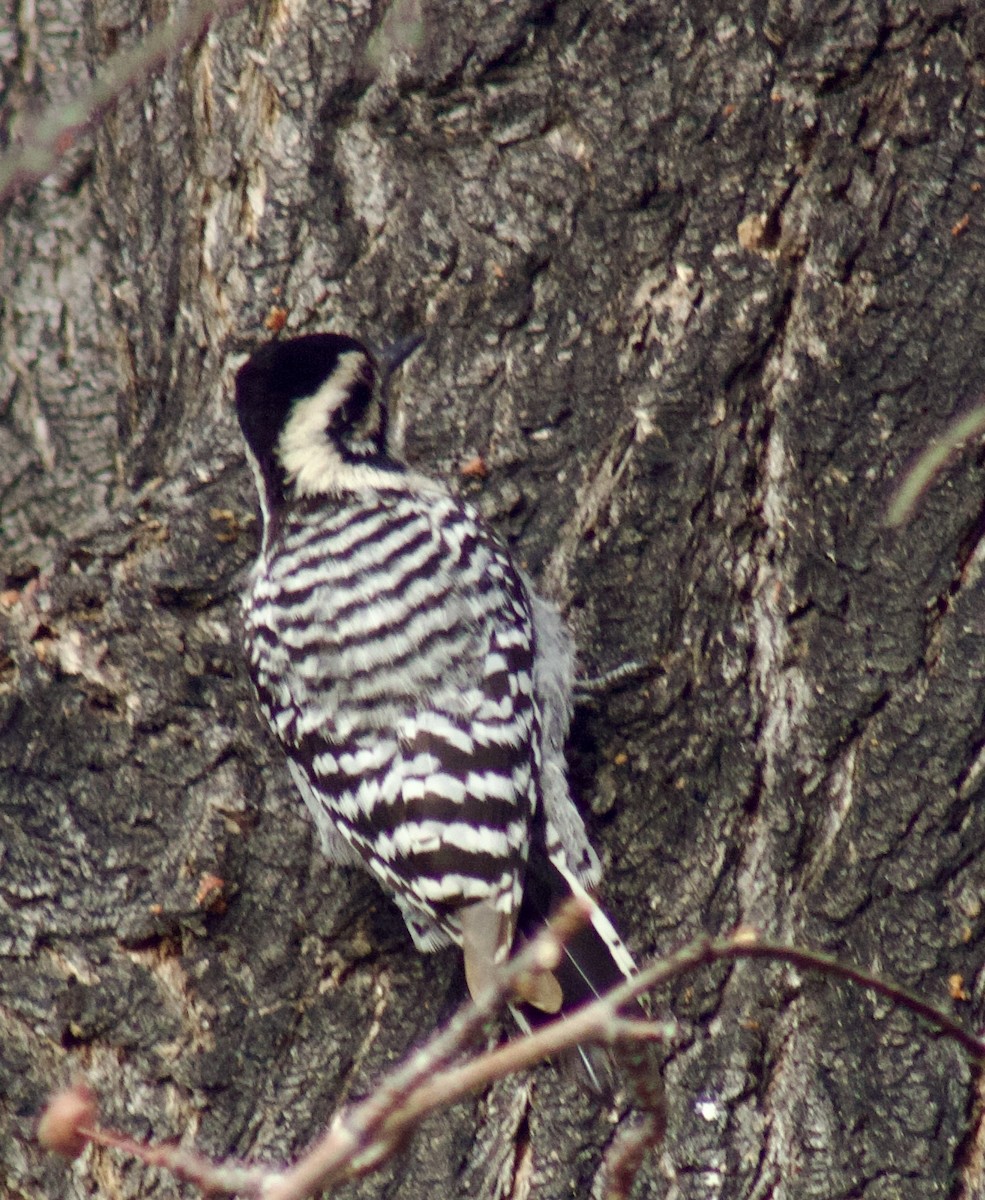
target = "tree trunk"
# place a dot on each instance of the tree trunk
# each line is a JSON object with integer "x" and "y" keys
{"x": 699, "y": 282}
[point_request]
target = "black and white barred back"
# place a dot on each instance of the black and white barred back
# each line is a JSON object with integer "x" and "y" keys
{"x": 421, "y": 689}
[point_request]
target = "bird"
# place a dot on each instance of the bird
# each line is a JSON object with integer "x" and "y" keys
{"x": 419, "y": 685}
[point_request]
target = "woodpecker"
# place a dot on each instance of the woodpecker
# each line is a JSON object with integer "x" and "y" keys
{"x": 420, "y": 687}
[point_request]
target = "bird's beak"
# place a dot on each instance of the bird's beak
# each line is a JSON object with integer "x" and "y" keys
{"x": 389, "y": 358}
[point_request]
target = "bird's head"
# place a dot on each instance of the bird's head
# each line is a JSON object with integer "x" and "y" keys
{"x": 313, "y": 418}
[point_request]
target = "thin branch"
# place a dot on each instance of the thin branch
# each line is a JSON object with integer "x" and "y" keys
{"x": 367, "y": 1134}
{"x": 360, "y": 1138}
{"x": 920, "y": 476}
{"x": 338, "y": 1158}
{"x": 46, "y": 139}
{"x": 364, "y": 1136}
{"x": 227, "y": 1177}
{"x": 813, "y": 960}
{"x": 629, "y": 1149}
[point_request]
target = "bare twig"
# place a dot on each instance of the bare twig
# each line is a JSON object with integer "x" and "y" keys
{"x": 920, "y": 476}
{"x": 224, "y": 1178}
{"x": 826, "y": 964}
{"x": 628, "y": 1151}
{"x": 595, "y": 1022}
{"x": 69, "y": 1124}
{"x": 46, "y": 139}
{"x": 358, "y": 1141}
{"x": 364, "y": 1136}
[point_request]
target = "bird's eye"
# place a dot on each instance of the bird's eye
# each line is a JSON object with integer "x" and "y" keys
{"x": 360, "y": 415}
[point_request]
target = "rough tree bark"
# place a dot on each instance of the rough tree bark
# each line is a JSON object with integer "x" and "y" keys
{"x": 699, "y": 281}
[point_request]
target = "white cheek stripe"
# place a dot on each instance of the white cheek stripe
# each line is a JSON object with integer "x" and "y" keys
{"x": 308, "y": 459}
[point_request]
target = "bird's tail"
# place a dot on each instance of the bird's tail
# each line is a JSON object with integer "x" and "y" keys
{"x": 594, "y": 961}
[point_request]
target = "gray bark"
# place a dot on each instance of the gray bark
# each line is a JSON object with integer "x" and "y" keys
{"x": 699, "y": 281}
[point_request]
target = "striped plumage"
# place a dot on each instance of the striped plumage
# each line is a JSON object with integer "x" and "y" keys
{"x": 421, "y": 689}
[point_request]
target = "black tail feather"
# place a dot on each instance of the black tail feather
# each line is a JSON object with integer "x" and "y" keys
{"x": 594, "y": 961}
